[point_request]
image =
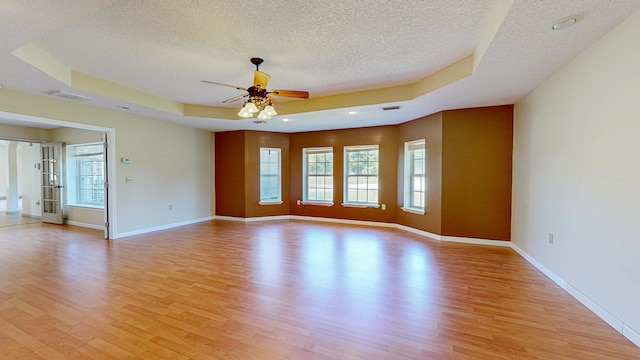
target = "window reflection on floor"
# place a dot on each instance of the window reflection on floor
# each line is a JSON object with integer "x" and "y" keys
{"x": 269, "y": 256}
{"x": 319, "y": 267}
{"x": 347, "y": 272}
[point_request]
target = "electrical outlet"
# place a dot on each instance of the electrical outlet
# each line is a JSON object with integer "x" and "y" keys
{"x": 384, "y": 206}
{"x": 298, "y": 202}
{"x": 551, "y": 238}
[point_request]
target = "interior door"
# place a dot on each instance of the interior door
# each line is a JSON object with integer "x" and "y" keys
{"x": 51, "y": 183}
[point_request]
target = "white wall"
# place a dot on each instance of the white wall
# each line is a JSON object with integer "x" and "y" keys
{"x": 577, "y": 175}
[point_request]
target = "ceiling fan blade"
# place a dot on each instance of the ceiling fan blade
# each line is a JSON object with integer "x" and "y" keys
{"x": 221, "y": 84}
{"x": 291, "y": 93}
{"x": 274, "y": 102}
{"x": 235, "y": 98}
{"x": 261, "y": 79}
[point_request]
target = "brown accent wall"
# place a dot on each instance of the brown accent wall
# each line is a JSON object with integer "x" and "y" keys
{"x": 254, "y": 140}
{"x": 430, "y": 129}
{"x": 476, "y": 172}
{"x": 386, "y": 137}
{"x": 468, "y": 172}
{"x": 230, "y": 173}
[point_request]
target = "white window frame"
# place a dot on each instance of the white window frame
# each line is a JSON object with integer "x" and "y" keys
{"x": 264, "y": 200}
{"x": 347, "y": 175}
{"x": 306, "y": 200}
{"x": 410, "y": 176}
{"x": 74, "y": 181}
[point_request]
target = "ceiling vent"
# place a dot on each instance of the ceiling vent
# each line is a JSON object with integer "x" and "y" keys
{"x": 387, "y": 108}
{"x": 68, "y": 95}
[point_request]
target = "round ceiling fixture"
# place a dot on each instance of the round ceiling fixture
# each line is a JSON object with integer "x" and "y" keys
{"x": 566, "y": 22}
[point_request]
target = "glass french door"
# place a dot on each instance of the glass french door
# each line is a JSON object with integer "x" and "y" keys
{"x": 51, "y": 183}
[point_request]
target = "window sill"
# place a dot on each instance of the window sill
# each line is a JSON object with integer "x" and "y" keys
{"x": 317, "y": 203}
{"x": 96, "y": 207}
{"x": 270, "y": 203}
{"x": 362, "y": 206}
{"x": 413, "y": 211}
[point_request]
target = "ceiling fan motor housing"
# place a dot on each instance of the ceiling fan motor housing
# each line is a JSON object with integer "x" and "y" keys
{"x": 257, "y": 94}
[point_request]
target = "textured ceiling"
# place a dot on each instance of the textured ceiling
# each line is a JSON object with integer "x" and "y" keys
{"x": 167, "y": 47}
{"x": 330, "y": 48}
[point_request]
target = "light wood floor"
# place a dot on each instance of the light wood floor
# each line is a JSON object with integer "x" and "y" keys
{"x": 282, "y": 290}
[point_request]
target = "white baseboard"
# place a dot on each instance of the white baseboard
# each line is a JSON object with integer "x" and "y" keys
{"x": 84, "y": 225}
{"x": 563, "y": 284}
{"x": 229, "y": 218}
{"x": 343, "y": 221}
{"x": 267, "y": 218}
{"x": 601, "y": 312}
{"x": 631, "y": 334}
{"x": 419, "y": 232}
{"x": 305, "y": 218}
{"x": 162, "y": 227}
{"x": 245, "y": 220}
{"x": 371, "y": 223}
{"x": 474, "y": 241}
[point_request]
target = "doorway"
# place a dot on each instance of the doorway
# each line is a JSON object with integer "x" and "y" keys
{"x": 19, "y": 183}
{"x": 72, "y": 133}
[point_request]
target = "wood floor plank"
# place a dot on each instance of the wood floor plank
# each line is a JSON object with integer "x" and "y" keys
{"x": 283, "y": 290}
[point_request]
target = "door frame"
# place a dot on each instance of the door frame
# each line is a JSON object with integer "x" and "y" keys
{"x": 110, "y": 208}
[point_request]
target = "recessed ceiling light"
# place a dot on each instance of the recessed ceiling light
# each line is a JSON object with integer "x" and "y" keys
{"x": 566, "y": 22}
{"x": 352, "y": 112}
{"x": 285, "y": 119}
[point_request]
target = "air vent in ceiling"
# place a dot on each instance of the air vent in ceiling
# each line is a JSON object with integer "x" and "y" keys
{"x": 387, "y": 108}
{"x": 68, "y": 95}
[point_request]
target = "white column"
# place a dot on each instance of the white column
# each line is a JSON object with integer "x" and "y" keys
{"x": 13, "y": 205}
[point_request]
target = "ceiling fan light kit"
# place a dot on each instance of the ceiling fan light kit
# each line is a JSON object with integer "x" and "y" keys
{"x": 260, "y": 100}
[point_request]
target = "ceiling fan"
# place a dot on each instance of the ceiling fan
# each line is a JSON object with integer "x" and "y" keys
{"x": 260, "y": 98}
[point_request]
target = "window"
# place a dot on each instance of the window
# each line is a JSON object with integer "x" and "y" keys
{"x": 361, "y": 175}
{"x": 85, "y": 174}
{"x": 414, "y": 176}
{"x": 270, "y": 189}
{"x": 318, "y": 175}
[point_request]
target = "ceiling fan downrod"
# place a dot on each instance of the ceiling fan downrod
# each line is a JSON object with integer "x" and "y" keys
{"x": 257, "y": 62}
